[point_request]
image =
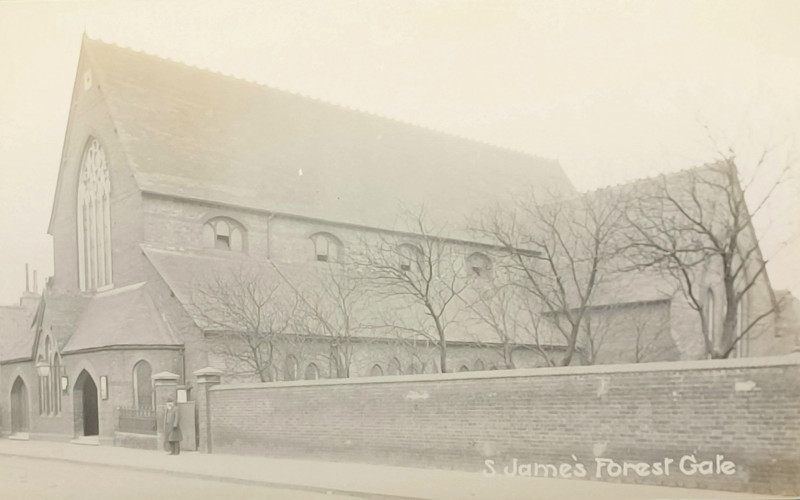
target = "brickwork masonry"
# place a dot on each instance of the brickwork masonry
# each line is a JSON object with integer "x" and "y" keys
{"x": 717, "y": 424}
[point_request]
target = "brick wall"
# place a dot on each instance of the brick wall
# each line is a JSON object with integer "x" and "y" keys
{"x": 90, "y": 117}
{"x": 745, "y": 410}
{"x": 116, "y": 365}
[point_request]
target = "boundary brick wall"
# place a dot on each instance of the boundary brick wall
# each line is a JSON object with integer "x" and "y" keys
{"x": 548, "y": 419}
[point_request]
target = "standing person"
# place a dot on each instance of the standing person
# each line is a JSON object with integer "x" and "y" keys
{"x": 172, "y": 427}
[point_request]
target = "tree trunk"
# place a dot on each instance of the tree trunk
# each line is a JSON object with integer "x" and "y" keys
{"x": 509, "y": 362}
{"x": 443, "y": 353}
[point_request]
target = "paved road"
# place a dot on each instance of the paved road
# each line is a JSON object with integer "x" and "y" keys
{"x": 30, "y": 478}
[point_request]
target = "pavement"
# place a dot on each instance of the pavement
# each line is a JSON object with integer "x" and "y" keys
{"x": 348, "y": 479}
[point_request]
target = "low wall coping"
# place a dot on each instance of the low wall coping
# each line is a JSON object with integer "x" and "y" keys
{"x": 792, "y": 359}
{"x": 164, "y": 376}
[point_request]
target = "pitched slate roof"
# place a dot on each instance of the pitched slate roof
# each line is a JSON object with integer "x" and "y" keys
{"x": 61, "y": 313}
{"x": 199, "y": 134}
{"x": 123, "y": 317}
{"x": 16, "y": 334}
{"x": 184, "y": 271}
{"x": 118, "y": 318}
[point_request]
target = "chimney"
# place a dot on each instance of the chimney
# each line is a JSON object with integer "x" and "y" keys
{"x": 30, "y": 299}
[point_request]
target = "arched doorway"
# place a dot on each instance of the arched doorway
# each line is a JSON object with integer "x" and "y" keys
{"x": 84, "y": 396}
{"x": 20, "y": 416}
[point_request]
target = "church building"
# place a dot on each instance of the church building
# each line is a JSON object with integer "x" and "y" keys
{"x": 171, "y": 175}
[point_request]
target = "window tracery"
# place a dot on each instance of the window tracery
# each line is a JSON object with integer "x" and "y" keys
{"x": 94, "y": 220}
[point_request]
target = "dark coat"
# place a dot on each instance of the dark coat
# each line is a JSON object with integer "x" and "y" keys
{"x": 172, "y": 425}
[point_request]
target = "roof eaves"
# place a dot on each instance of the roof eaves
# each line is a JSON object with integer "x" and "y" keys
{"x": 123, "y": 347}
{"x": 460, "y": 241}
{"x": 146, "y": 251}
{"x": 15, "y": 360}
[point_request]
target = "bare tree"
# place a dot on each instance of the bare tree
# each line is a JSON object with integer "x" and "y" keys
{"x": 650, "y": 335}
{"x": 421, "y": 273}
{"x": 496, "y": 306}
{"x": 251, "y": 311}
{"x": 596, "y": 330}
{"x": 558, "y": 254}
{"x": 626, "y": 332}
{"x": 695, "y": 227}
{"x": 332, "y": 305}
{"x": 496, "y": 303}
{"x": 409, "y": 345}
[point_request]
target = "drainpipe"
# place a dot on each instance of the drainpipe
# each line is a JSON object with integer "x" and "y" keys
{"x": 269, "y": 236}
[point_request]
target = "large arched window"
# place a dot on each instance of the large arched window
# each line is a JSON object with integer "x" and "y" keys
{"x": 55, "y": 382}
{"x": 94, "y": 220}
{"x": 224, "y": 234}
{"x": 327, "y": 247}
{"x": 49, "y": 362}
{"x": 142, "y": 384}
{"x": 44, "y": 380}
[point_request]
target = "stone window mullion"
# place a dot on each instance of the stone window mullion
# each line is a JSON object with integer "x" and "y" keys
{"x": 94, "y": 221}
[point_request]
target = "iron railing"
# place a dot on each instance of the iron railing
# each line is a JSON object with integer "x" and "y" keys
{"x": 136, "y": 420}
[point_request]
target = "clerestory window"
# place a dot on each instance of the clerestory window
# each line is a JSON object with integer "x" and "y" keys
{"x": 410, "y": 256}
{"x": 327, "y": 247}
{"x": 479, "y": 264}
{"x": 224, "y": 234}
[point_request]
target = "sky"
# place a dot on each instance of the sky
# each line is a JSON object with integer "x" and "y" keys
{"x": 613, "y": 90}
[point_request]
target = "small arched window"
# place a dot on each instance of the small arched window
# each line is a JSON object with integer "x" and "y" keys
{"x": 46, "y": 387}
{"x": 410, "y": 256}
{"x": 312, "y": 372}
{"x": 55, "y": 380}
{"x": 479, "y": 366}
{"x": 327, "y": 247}
{"x": 224, "y": 234}
{"x": 394, "y": 367}
{"x": 290, "y": 368}
{"x": 142, "y": 385}
{"x": 479, "y": 264}
{"x": 463, "y": 368}
{"x": 376, "y": 371}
